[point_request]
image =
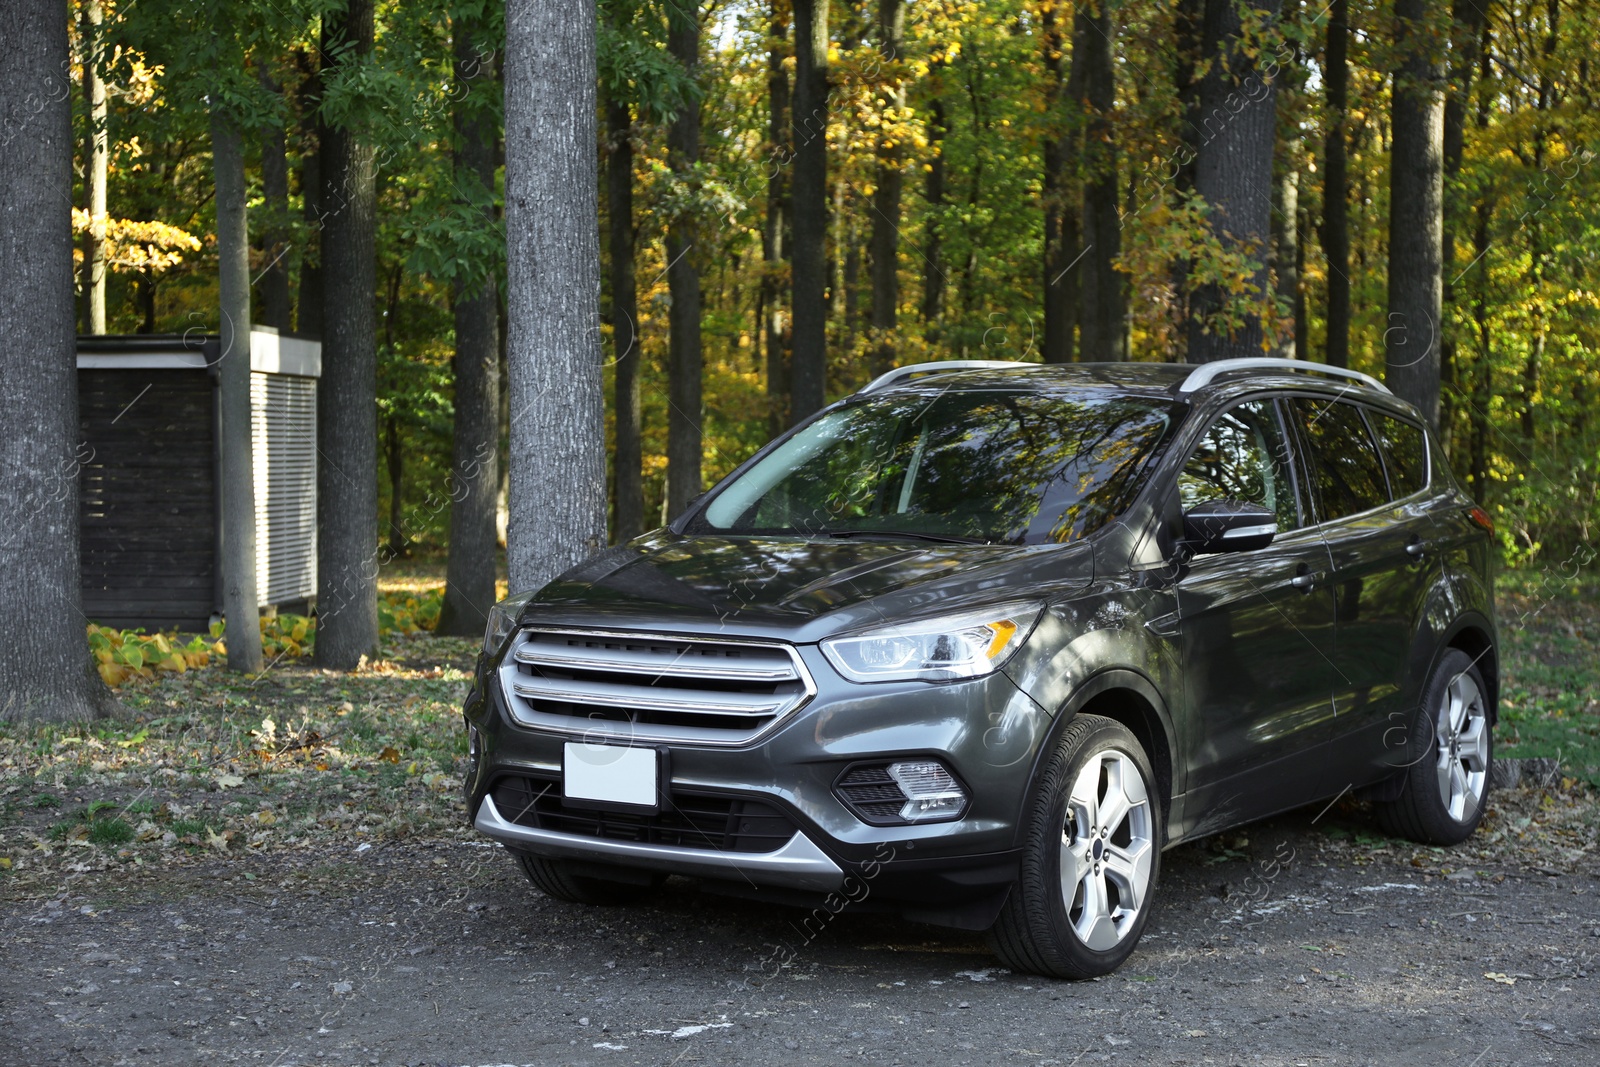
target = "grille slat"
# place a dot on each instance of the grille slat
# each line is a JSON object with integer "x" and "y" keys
{"x": 646, "y": 697}
{"x": 652, "y": 658}
{"x": 691, "y": 820}
{"x": 645, "y": 687}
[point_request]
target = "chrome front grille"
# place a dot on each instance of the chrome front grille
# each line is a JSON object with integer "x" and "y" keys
{"x": 643, "y": 687}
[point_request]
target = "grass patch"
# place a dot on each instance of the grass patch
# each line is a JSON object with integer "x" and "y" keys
{"x": 112, "y": 831}
{"x": 1548, "y": 695}
{"x": 210, "y": 762}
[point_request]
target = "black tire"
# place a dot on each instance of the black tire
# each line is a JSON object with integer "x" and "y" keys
{"x": 1037, "y": 930}
{"x": 557, "y": 878}
{"x": 1433, "y": 746}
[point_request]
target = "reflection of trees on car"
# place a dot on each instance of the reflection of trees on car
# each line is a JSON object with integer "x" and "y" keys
{"x": 992, "y": 466}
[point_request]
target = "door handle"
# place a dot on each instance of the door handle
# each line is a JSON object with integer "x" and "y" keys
{"x": 1417, "y": 548}
{"x": 1303, "y": 580}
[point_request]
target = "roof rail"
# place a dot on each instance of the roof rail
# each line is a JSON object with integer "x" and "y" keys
{"x": 1202, "y": 375}
{"x": 883, "y": 381}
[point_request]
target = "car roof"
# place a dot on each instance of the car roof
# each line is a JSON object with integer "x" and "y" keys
{"x": 1154, "y": 380}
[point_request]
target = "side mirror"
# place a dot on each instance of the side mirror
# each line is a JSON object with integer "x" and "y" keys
{"x": 1228, "y": 526}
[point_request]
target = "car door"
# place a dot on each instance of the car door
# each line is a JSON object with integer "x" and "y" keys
{"x": 1256, "y": 630}
{"x": 1369, "y": 472}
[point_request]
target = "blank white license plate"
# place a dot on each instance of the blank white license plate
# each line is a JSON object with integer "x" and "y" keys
{"x": 610, "y": 774}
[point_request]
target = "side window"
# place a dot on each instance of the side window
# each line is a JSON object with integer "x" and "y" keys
{"x": 1405, "y": 452}
{"x": 1344, "y": 461}
{"x": 1242, "y": 457}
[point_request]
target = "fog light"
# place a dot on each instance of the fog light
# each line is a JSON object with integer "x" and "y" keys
{"x": 931, "y": 791}
{"x": 906, "y": 791}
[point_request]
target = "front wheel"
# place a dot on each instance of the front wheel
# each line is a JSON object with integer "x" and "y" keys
{"x": 1449, "y": 751}
{"x": 1090, "y": 860}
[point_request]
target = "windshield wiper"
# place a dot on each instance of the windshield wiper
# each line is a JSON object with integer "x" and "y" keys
{"x": 911, "y": 535}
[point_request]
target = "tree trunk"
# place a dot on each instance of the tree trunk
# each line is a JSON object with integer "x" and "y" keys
{"x": 347, "y": 418}
{"x": 45, "y": 669}
{"x": 685, "y": 363}
{"x": 886, "y": 197}
{"x": 395, "y": 460}
{"x": 1336, "y": 186}
{"x": 1483, "y": 389}
{"x": 774, "y": 285}
{"x": 1102, "y": 334}
{"x": 308, "y": 304}
{"x": 240, "y": 606}
{"x": 1233, "y": 173}
{"x": 1062, "y": 265}
{"x": 1286, "y": 254}
{"x": 275, "y": 304}
{"x": 558, "y": 475}
{"x": 1468, "y": 18}
{"x": 628, "y": 460}
{"x": 1416, "y": 214}
{"x": 474, "y": 453}
{"x": 809, "y": 362}
{"x": 933, "y": 277}
{"x": 97, "y": 166}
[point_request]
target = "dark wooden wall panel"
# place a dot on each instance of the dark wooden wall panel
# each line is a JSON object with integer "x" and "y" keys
{"x": 147, "y": 498}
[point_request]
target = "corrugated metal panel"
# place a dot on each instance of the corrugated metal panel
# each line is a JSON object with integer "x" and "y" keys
{"x": 283, "y": 424}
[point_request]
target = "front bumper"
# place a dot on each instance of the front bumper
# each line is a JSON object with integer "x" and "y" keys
{"x": 799, "y": 864}
{"x": 985, "y": 730}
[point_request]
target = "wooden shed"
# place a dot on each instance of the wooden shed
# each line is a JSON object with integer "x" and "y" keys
{"x": 150, "y": 513}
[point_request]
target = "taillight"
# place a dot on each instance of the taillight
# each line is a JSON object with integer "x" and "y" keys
{"x": 1481, "y": 517}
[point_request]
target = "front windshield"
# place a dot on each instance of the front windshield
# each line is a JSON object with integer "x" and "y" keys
{"x": 990, "y": 466}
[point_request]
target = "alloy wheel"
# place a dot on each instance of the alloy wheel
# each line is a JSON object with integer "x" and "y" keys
{"x": 1106, "y": 848}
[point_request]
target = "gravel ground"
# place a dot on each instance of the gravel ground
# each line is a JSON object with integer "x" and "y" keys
{"x": 1310, "y": 941}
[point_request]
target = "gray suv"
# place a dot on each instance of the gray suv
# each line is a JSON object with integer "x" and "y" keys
{"x": 978, "y": 642}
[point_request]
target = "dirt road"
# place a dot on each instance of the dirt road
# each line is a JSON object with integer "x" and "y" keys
{"x": 1312, "y": 942}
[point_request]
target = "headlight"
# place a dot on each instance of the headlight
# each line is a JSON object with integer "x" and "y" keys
{"x": 503, "y": 619}
{"x": 969, "y": 645}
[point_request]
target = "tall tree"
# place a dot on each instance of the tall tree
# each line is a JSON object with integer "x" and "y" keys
{"x": 1237, "y": 125}
{"x": 1102, "y": 330}
{"x": 347, "y": 417}
{"x": 1467, "y": 23}
{"x": 474, "y": 455}
{"x": 774, "y": 287}
{"x": 97, "y": 162}
{"x": 1287, "y": 255}
{"x": 237, "y": 441}
{"x": 1061, "y": 205}
{"x": 553, "y": 290}
{"x": 275, "y": 302}
{"x": 1416, "y": 212}
{"x": 1336, "y": 184}
{"x": 809, "y": 206}
{"x": 308, "y": 300}
{"x": 685, "y": 364}
{"x": 45, "y": 669}
{"x": 933, "y": 191}
{"x": 886, "y": 195}
{"x": 627, "y": 480}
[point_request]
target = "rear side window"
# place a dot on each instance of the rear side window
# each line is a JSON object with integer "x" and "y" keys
{"x": 1344, "y": 461}
{"x": 1241, "y": 458}
{"x": 1405, "y": 452}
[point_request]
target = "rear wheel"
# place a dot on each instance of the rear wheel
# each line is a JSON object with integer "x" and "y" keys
{"x": 1449, "y": 750}
{"x": 1090, "y": 860}
{"x": 575, "y": 883}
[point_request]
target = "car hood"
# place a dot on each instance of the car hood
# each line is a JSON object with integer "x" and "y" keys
{"x": 798, "y": 589}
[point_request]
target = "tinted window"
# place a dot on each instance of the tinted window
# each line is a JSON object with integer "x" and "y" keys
{"x": 1344, "y": 462}
{"x": 992, "y": 466}
{"x": 1404, "y": 450}
{"x": 1242, "y": 458}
